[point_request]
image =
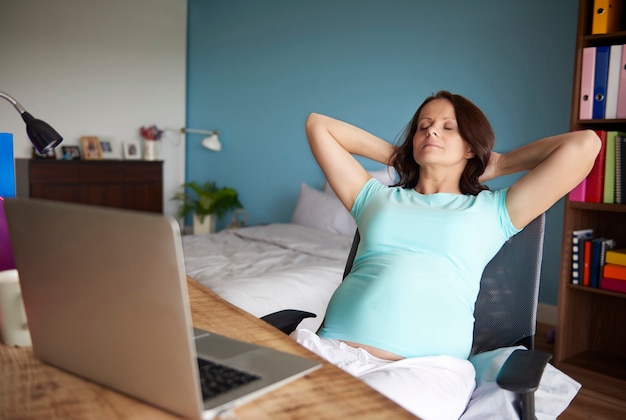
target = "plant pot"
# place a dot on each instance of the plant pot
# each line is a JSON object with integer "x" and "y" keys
{"x": 206, "y": 226}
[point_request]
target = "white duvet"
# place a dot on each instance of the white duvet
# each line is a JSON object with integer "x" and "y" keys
{"x": 263, "y": 269}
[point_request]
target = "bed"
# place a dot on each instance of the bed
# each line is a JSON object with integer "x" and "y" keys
{"x": 298, "y": 265}
{"x": 264, "y": 269}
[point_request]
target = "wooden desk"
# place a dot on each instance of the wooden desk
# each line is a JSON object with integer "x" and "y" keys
{"x": 30, "y": 389}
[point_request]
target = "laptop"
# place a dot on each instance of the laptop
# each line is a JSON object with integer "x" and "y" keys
{"x": 106, "y": 298}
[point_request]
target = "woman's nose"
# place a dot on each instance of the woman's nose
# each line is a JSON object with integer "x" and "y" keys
{"x": 432, "y": 131}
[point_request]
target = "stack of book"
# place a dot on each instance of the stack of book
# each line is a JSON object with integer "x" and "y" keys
{"x": 606, "y": 183}
{"x": 614, "y": 272}
{"x": 589, "y": 257}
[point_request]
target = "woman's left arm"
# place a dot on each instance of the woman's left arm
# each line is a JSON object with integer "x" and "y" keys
{"x": 555, "y": 166}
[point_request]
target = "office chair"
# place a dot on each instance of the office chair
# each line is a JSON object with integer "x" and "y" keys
{"x": 505, "y": 312}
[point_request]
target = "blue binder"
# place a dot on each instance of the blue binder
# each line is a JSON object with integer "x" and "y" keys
{"x": 600, "y": 81}
{"x": 7, "y": 166}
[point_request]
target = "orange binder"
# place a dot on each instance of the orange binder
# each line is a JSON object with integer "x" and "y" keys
{"x": 607, "y": 16}
{"x": 615, "y": 271}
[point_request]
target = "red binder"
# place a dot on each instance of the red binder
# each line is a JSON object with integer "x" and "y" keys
{"x": 587, "y": 263}
{"x": 595, "y": 179}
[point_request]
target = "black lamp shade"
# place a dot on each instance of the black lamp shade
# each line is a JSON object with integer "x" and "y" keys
{"x": 43, "y": 137}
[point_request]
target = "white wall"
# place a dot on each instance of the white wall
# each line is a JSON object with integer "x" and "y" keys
{"x": 93, "y": 67}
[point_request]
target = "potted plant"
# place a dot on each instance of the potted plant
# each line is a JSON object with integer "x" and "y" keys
{"x": 207, "y": 202}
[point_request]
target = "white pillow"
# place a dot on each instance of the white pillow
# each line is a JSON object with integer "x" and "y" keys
{"x": 386, "y": 176}
{"x": 322, "y": 211}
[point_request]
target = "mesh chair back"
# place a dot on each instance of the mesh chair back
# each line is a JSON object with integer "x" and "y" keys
{"x": 506, "y": 308}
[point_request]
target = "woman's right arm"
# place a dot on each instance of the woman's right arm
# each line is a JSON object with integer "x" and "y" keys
{"x": 333, "y": 144}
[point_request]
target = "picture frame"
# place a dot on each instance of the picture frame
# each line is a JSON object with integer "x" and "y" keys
{"x": 90, "y": 146}
{"x": 49, "y": 155}
{"x": 132, "y": 150}
{"x": 71, "y": 152}
{"x": 108, "y": 148}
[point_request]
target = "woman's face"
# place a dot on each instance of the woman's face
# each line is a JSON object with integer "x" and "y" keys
{"x": 437, "y": 140}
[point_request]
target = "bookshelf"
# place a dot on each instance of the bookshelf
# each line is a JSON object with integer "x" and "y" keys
{"x": 591, "y": 341}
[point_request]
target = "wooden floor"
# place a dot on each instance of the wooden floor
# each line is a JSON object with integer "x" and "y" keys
{"x": 587, "y": 404}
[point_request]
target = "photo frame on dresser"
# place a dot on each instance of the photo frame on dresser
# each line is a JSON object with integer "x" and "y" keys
{"x": 48, "y": 155}
{"x": 132, "y": 150}
{"x": 70, "y": 152}
{"x": 109, "y": 148}
{"x": 90, "y": 146}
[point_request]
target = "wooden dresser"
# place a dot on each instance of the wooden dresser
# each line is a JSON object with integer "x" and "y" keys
{"x": 127, "y": 184}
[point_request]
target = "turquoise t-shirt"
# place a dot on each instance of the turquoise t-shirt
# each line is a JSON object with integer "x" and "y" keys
{"x": 417, "y": 271}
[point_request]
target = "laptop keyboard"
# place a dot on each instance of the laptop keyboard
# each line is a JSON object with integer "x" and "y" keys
{"x": 216, "y": 379}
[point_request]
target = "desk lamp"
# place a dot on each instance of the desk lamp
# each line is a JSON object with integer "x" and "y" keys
{"x": 211, "y": 142}
{"x": 43, "y": 137}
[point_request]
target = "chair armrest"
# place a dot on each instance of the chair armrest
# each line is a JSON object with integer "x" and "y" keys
{"x": 521, "y": 374}
{"x": 288, "y": 319}
{"x": 522, "y": 371}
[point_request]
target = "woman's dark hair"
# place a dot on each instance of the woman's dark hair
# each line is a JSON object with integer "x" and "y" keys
{"x": 474, "y": 129}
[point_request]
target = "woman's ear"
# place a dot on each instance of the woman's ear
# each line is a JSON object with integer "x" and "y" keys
{"x": 469, "y": 154}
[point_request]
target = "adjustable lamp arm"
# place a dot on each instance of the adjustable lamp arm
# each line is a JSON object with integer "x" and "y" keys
{"x": 43, "y": 137}
{"x": 211, "y": 142}
{"x": 14, "y": 102}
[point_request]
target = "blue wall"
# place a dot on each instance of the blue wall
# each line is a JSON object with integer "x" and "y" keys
{"x": 257, "y": 69}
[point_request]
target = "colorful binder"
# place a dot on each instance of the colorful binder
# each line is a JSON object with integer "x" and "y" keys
{"x": 614, "y": 285}
{"x": 599, "y": 246}
{"x": 607, "y": 16}
{"x": 616, "y": 256}
{"x": 621, "y": 94}
{"x": 608, "y": 195}
{"x": 615, "y": 271}
{"x": 586, "y": 262}
{"x": 612, "y": 86}
{"x": 579, "y": 237}
{"x": 595, "y": 179}
{"x": 601, "y": 78}
{"x": 586, "y": 83}
{"x": 7, "y": 166}
{"x": 620, "y": 169}
{"x": 579, "y": 193}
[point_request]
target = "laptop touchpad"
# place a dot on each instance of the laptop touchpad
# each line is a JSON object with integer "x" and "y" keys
{"x": 214, "y": 346}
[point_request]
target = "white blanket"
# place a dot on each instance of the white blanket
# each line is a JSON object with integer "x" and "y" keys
{"x": 264, "y": 269}
{"x": 556, "y": 390}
